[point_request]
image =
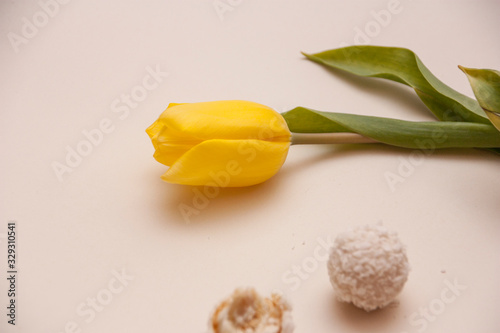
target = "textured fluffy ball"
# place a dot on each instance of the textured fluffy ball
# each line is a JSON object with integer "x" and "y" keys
{"x": 368, "y": 266}
{"x": 245, "y": 311}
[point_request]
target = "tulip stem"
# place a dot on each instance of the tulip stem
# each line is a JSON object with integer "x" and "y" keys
{"x": 329, "y": 138}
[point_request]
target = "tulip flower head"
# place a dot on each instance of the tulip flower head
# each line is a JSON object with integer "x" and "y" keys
{"x": 222, "y": 143}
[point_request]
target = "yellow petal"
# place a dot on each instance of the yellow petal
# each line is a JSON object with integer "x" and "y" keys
{"x": 174, "y": 104}
{"x": 228, "y": 163}
{"x": 168, "y": 152}
{"x": 223, "y": 120}
{"x": 159, "y": 125}
{"x": 153, "y": 130}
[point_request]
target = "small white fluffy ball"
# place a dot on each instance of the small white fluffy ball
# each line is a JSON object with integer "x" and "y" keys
{"x": 368, "y": 266}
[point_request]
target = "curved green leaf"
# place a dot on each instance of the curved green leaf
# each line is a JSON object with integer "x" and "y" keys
{"x": 485, "y": 84}
{"x": 401, "y": 133}
{"x": 403, "y": 66}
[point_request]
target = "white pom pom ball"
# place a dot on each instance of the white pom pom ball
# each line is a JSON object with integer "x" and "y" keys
{"x": 368, "y": 266}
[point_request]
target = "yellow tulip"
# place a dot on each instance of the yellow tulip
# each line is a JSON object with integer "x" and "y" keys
{"x": 222, "y": 143}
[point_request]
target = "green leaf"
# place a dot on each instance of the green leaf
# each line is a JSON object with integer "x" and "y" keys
{"x": 403, "y": 66}
{"x": 401, "y": 133}
{"x": 485, "y": 84}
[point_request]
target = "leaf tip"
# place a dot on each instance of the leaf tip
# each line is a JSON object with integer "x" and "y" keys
{"x": 307, "y": 55}
{"x": 464, "y": 69}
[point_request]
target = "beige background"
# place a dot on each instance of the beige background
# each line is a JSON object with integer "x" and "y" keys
{"x": 110, "y": 232}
